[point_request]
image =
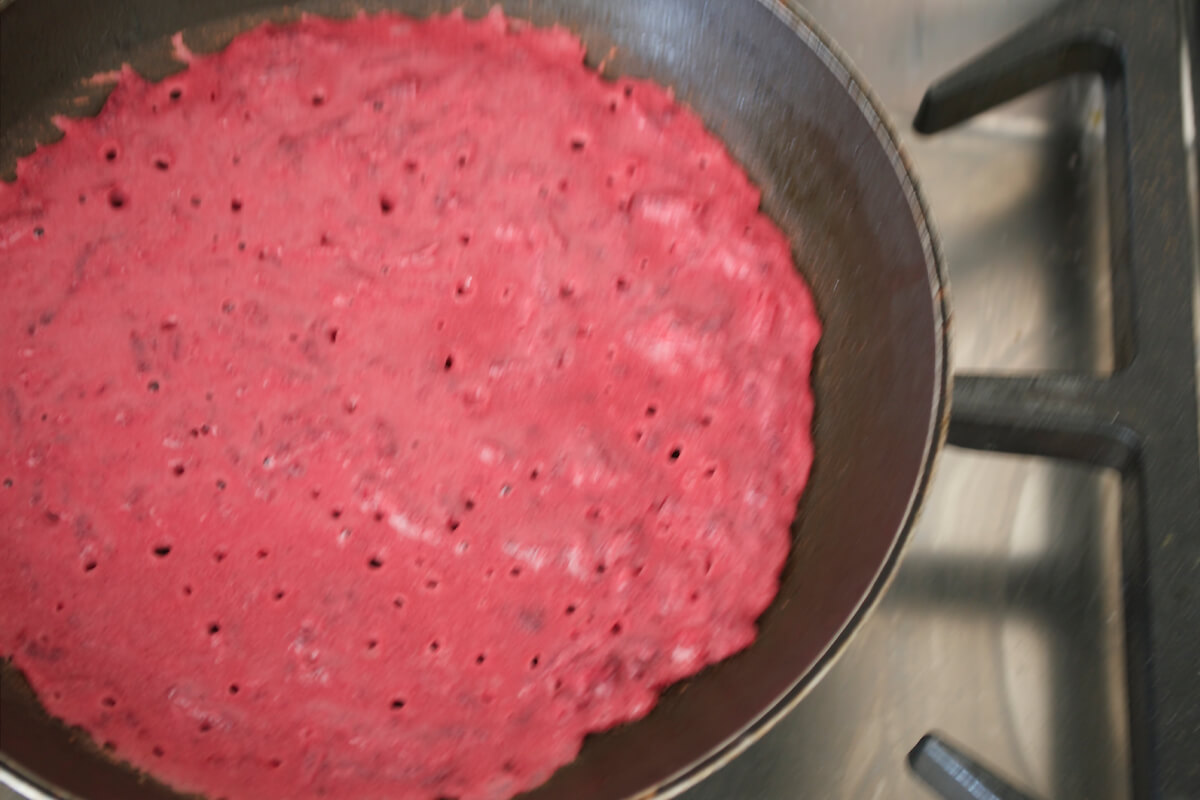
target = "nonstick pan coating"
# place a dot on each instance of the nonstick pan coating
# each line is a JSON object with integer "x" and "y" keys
{"x": 801, "y": 121}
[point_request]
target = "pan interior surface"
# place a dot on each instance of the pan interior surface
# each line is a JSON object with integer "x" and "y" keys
{"x": 799, "y": 122}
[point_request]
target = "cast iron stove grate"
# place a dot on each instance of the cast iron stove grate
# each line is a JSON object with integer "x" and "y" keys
{"x": 1141, "y": 419}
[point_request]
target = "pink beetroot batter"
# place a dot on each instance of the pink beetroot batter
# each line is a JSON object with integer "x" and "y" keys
{"x": 385, "y": 406}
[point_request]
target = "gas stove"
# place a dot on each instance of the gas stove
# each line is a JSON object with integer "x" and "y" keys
{"x": 1007, "y": 624}
{"x": 1040, "y": 618}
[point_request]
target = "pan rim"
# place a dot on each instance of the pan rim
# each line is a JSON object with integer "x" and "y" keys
{"x": 836, "y": 60}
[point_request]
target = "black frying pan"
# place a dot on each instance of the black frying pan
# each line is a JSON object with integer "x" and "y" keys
{"x": 809, "y": 133}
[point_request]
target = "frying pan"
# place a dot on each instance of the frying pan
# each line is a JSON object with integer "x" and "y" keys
{"x": 806, "y": 128}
